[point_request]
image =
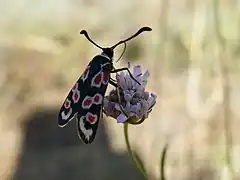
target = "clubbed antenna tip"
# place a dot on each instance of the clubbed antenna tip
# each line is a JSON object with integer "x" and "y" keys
{"x": 84, "y": 32}
{"x": 133, "y": 36}
{"x": 146, "y": 29}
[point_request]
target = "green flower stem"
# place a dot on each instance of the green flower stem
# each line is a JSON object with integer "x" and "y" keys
{"x": 135, "y": 159}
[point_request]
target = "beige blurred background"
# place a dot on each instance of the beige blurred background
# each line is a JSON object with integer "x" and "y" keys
{"x": 192, "y": 54}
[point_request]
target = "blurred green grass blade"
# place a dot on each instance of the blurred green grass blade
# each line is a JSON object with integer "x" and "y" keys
{"x": 163, "y": 162}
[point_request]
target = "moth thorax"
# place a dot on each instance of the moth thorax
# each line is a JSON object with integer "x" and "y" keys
{"x": 108, "y": 52}
{"x": 106, "y": 55}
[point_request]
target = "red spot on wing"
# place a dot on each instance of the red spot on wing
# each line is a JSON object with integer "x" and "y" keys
{"x": 105, "y": 77}
{"x": 76, "y": 96}
{"x": 86, "y": 72}
{"x": 67, "y": 104}
{"x": 98, "y": 79}
{"x": 96, "y": 98}
{"x": 92, "y": 118}
{"x": 87, "y": 102}
{"x": 75, "y": 86}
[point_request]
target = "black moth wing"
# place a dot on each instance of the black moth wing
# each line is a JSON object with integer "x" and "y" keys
{"x": 87, "y": 107}
{"x": 71, "y": 105}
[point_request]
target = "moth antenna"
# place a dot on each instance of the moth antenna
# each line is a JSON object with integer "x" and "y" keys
{"x": 84, "y": 32}
{"x": 133, "y": 36}
{"x": 125, "y": 46}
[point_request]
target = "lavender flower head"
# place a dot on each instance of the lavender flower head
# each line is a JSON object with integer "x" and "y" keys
{"x": 129, "y": 102}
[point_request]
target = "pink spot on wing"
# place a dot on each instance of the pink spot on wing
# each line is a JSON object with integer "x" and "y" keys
{"x": 92, "y": 118}
{"x": 96, "y": 98}
{"x": 76, "y": 96}
{"x": 105, "y": 77}
{"x": 87, "y": 102}
{"x": 67, "y": 104}
{"x": 85, "y": 74}
{"x": 98, "y": 79}
{"x": 75, "y": 87}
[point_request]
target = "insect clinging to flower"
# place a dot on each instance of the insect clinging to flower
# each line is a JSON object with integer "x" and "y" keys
{"x": 85, "y": 100}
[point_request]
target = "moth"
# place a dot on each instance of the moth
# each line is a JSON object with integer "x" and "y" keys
{"x": 84, "y": 102}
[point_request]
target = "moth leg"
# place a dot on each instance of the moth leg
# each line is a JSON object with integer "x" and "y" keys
{"x": 113, "y": 83}
{"x": 125, "y": 69}
{"x": 113, "y": 79}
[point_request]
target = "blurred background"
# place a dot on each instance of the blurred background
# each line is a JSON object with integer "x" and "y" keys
{"x": 192, "y": 54}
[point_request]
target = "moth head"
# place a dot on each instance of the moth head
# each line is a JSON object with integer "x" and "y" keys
{"x": 108, "y": 52}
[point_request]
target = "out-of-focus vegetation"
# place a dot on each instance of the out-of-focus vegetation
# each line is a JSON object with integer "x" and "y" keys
{"x": 192, "y": 54}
